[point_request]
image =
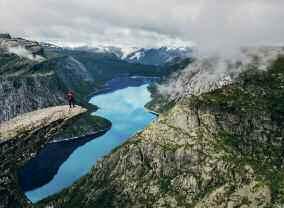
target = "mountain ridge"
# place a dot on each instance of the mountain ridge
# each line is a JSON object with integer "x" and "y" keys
{"x": 155, "y": 56}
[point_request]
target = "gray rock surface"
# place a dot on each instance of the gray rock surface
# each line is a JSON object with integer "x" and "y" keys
{"x": 20, "y": 139}
{"x": 26, "y": 86}
{"x": 25, "y": 94}
{"x": 32, "y": 46}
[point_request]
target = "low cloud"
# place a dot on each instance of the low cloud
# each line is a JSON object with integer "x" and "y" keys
{"x": 212, "y": 72}
{"x": 23, "y": 52}
{"x": 210, "y": 24}
{"x": 217, "y": 28}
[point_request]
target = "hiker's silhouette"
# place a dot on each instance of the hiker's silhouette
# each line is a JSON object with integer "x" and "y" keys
{"x": 71, "y": 99}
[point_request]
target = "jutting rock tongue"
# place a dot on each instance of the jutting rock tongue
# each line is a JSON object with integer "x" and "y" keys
{"x": 20, "y": 139}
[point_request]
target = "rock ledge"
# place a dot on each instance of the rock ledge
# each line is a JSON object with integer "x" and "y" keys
{"x": 37, "y": 119}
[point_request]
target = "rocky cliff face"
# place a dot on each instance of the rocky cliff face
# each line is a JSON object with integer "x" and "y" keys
{"x": 219, "y": 149}
{"x": 22, "y": 90}
{"x": 210, "y": 73}
{"x": 7, "y": 42}
{"x": 20, "y": 95}
{"x": 20, "y": 139}
{"x": 26, "y": 85}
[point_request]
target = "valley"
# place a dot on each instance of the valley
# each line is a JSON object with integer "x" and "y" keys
{"x": 37, "y": 76}
{"x": 217, "y": 141}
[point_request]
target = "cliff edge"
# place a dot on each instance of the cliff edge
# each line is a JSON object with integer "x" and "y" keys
{"x": 36, "y": 120}
{"x": 20, "y": 139}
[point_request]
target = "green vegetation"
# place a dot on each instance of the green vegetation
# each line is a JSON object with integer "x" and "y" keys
{"x": 165, "y": 184}
{"x": 258, "y": 100}
{"x": 254, "y": 91}
{"x": 247, "y": 133}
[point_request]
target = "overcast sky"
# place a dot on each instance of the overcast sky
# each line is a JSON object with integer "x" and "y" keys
{"x": 207, "y": 23}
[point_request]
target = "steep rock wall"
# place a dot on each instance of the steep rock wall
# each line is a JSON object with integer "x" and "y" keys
{"x": 20, "y": 139}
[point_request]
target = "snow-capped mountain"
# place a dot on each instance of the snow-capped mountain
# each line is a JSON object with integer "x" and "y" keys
{"x": 145, "y": 56}
{"x": 158, "y": 56}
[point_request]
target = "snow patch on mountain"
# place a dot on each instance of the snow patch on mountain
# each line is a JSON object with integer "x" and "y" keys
{"x": 126, "y": 51}
{"x": 159, "y": 56}
{"x": 137, "y": 56}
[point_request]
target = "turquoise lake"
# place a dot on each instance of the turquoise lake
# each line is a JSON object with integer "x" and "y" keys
{"x": 125, "y": 109}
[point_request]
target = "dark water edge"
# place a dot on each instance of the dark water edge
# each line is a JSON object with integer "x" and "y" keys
{"x": 41, "y": 169}
{"x": 124, "y": 81}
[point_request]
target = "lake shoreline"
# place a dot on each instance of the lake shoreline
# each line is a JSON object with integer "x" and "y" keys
{"x": 58, "y": 153}
{"x": 45, "y": 175}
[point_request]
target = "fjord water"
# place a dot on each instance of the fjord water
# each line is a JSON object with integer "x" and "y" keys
{"x": 125, "y": 109}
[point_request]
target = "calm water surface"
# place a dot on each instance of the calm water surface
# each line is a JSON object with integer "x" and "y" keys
{"x": 125, "y": 109}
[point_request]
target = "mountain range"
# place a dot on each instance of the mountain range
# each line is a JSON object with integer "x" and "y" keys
{"x": 146, "y": 56}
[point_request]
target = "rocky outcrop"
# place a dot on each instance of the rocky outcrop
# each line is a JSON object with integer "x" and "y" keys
{"x": 29, "y": 81}
{"x": 26, "y": 86}
{"x": 20, "y": 139}
{"x": 210, "y": 73}
{"x": 7, "y": 42}
{"x": 219, "y": 149}
{"x": 37, "y": 119}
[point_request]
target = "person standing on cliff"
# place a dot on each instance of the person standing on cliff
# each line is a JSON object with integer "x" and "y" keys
{"x": 71, "y": 99}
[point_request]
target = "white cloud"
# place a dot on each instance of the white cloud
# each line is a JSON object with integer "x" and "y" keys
{"x": 212, "y": 24}
{"x": 210, "y": 73}
{"x": 23, "y": 52}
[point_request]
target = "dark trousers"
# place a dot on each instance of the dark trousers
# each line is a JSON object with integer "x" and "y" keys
{"x": 72, "y": 103}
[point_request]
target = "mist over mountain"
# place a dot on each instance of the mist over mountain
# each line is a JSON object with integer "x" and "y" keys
{"x": 210, "y": 73}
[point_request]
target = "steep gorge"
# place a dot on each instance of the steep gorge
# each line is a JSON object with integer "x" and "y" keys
{"x": 36, "y": 75}
{"x": 219, "y": 149}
